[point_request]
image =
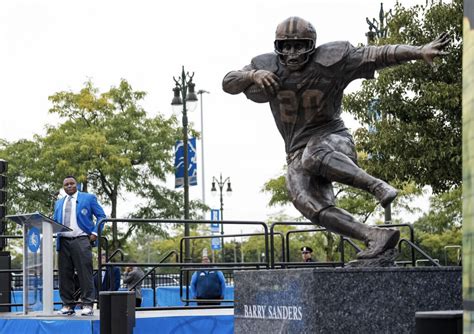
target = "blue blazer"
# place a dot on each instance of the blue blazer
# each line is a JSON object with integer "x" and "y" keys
{"x": 113, "y": 272}
{"x": 87, "y": 207}
{"x": 218, "y": 279}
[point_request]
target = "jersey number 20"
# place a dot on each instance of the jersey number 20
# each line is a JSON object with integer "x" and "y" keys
{"x": 289, "y": 103}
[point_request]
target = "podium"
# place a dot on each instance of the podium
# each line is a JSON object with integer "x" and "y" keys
{"x": 38, "y": 259}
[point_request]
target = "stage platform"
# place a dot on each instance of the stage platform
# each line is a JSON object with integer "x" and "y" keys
{"x": 189, "y": 321}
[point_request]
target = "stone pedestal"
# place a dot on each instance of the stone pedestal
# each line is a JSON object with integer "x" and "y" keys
{"x": 342, "y": 300}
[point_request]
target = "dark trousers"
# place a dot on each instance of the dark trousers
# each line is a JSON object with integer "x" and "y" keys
{"x": 138, "y": 302}
{"x": 75, "y": 255}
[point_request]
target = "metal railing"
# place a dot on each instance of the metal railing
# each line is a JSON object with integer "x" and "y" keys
{"x": 288, "y": 264}
{"x": 458, "y": 249}
{"x": 419, "y": 250}
{"x": 183, "y": 266}
{"x": 268, "y": 263}
{"x": 234, "y": 265}
{"x": 152, "y": 273}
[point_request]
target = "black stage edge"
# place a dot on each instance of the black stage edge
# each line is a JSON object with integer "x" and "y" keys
{"x": 342, "y": 300}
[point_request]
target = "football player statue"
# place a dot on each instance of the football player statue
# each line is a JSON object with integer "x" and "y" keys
{"x": 304, "y": 85}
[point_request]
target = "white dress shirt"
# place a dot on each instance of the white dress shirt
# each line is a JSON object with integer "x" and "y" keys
{"x": 76, "y": 230}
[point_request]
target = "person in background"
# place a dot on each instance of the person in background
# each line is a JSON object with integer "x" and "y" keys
{"x": 77, "y": 211}
{"x": 306, "y": 253}
{"x": 207, "y": 284}
{"x": 131, "y": 276}
{"x": 110, "y": 278}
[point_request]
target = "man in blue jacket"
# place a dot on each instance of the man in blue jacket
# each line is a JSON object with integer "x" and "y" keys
{"x": 76, "y": 210}
{"x": 207, "y": 284}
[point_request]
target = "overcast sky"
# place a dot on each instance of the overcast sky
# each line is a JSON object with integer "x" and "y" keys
{"x": 55, "y": 45}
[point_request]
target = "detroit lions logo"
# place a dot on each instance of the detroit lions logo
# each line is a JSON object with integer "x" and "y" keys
{"x": 33, "y": 239}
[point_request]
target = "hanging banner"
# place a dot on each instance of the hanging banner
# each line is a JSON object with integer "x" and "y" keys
{"x": 216, "y": 243}
{"x": 215, "y": 216}
{"x": 179, "y": 163}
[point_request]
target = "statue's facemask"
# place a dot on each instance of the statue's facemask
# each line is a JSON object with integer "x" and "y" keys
{"x": 294, "y": 54}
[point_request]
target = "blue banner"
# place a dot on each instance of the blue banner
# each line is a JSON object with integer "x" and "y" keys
{"x": 179, "y": 163}
{"x": 216, "y": 243}
{"x": 215, "y": 216}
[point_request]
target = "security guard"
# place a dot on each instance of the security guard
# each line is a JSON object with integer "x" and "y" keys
{"x": 306, "y": 253}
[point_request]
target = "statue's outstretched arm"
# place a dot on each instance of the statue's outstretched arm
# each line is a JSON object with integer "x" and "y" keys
{"x": 389, "y": 55}
{"x": 426, "y": 52}
{"x": 435, "y": 48}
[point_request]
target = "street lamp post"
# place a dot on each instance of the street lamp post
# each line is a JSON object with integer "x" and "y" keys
{"x": 200, "y": 92}
{"x": 380, "y": 30}
{"x": 221, "y": 183}
{"x": 184, "y": 93}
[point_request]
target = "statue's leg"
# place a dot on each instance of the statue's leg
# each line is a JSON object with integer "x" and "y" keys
{"x": 313, "y": 196}
{"x": 376, "y": 239}
{"x": 334, "y": 158}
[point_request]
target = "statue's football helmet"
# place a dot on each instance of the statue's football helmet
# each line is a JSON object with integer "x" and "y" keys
{"x": 295, "y": 42}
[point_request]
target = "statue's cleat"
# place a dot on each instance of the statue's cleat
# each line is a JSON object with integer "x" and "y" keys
{"x": 378, "y": 241}
{"x": 385, "y": 193}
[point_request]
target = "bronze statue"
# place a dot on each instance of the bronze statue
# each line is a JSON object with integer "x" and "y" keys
{"x": 304, "y": 85}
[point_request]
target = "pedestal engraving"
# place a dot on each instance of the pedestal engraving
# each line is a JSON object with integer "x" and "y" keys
{"x": 343, "y": 300}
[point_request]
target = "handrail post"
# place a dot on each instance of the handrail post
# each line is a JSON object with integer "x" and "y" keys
{"x": 341, "y": 245}
{"x": 153, "y": 286}
{"x": 412, "y": 239}
{"x": 267, "y": 260}
{"x": 272, "y": 248}
{"x": 282, "y": 248}
{"x": 287, "y": 241}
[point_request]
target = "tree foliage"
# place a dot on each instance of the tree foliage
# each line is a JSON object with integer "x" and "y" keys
{"x": 445, "y": 213}
{"x": 439, "y": 231}
{"x": 442, "y": 247}
{"x": 110, "y": 144}
{"x": 29, "y": 188}
{"x": 418, "y": 138}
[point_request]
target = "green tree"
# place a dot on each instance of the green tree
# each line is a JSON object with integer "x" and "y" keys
{"x": 435, "y": 245}
{"x": 29, "y": 188}
{"x": 113, "y": 148}
{"x": 441, "y": 226}
{"x": 109, "y": 142}
{"x": 445, "y": 213}
{"x": 418, "y": 138}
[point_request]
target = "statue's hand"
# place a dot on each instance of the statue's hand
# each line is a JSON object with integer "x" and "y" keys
{"x": 435, "y": 48}
{"x": 267, "y": 81}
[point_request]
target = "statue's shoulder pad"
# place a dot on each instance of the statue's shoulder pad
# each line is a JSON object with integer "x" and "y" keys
{"x": 331, "y": 53}
{"x": 266, "y": 61}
